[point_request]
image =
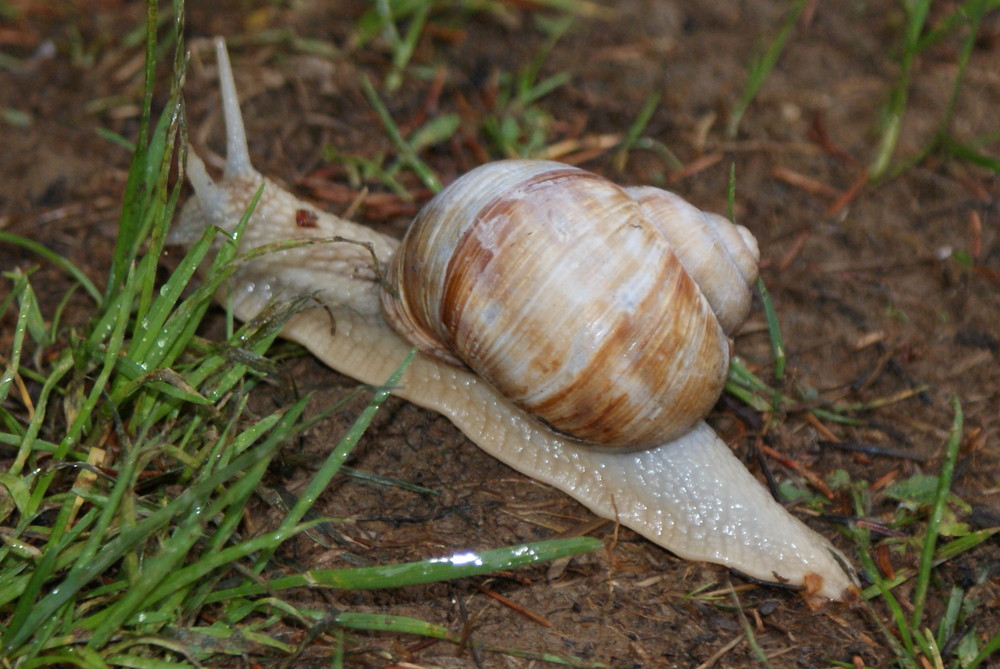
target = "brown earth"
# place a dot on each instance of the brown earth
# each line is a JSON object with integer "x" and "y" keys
{"x": 896, "y": 291}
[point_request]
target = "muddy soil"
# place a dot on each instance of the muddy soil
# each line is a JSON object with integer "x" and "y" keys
{"x": 884, "y": 292}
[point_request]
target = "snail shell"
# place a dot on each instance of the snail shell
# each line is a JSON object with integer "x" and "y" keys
{"x": 604, "y": 312}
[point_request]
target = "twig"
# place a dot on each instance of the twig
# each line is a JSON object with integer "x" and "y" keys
{"x": 510, "y": 603}
{"x": 872, "y": 449}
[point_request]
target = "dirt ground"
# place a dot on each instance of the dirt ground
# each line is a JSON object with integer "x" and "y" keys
{"x": 895, "y": 290}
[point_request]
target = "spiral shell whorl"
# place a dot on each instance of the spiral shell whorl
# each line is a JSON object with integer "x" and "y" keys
{"x": 721, "y": 257}
{"x": 552, "y": 284}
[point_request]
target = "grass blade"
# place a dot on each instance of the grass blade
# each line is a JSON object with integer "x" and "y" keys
{"x": 338, "y": 456}
{"x": 54, "y": 258}
{"x": 451, "y": 567}
{"x": 135, "y": 199}
{"x": 937, "y": 511}
{"x": 760, "y": 67}
{"x": 406, "y": 152}
{"x": 916, "y": 16}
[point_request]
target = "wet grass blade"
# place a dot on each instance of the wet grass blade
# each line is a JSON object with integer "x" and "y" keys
{"x": 740, "y": 373}
{"x": 27, "y": 312}
{"x": 459, "y": 565}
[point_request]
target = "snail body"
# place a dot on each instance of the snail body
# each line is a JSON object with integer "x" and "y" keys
{"x": 673, "y": 481}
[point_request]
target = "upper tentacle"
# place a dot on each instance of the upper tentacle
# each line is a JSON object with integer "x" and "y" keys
{"x": 237, "y": 153}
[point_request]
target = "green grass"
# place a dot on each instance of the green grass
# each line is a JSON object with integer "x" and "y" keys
{"x": 761, "y": 66}
{"x": 929, "y": 528}
{"x": 916, "y": 37}
{"x": 912, "y": 636}
{"x": 969, "y": 15}
{"x": 927, "y": 511}
{"x": 516, "y": 127}
{"x": 433, "y": 132}
{"x": 915, "y": 40}
{"x": 100, "y": 564}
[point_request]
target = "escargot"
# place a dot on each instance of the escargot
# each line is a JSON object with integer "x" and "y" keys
{"x": 626, "y": 437}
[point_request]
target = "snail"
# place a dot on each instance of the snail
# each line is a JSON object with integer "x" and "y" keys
{"x": 656, "y": 466}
